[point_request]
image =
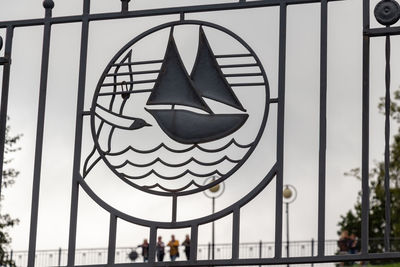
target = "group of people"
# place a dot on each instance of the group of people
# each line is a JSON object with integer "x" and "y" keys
{"x": 173, "y": 245}
{"x": 348, "y": 244}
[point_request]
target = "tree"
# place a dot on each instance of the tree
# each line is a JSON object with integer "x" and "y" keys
{"x": 8, "y": 175}
{"x": 351, "y": 221}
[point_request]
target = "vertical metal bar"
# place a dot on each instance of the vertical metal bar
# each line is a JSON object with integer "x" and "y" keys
{"x": 213, "y": 231}
{"x": 152, "y": 244}
{"x": 4, "y": 98}
{"x": 280, "y": 130}
{"x": 365, "y": 132}
{"x": 194, "y": 242}
{"x": 287, "y": 231}
{"x": 112, "y": 238}
{"x": 125, "y": 5}
{"x": 312, "y": 250}
{"x": 260, "y": 250}
{"x": 39, "y": 138}
{"x": 236, "y": 234}
{"x": 174, "y": 207}
{"x": 78, "y": 134}
{"x": 322, "y": 128}
{"x": 59, "y": 257}
{"x": 209, "y": 251}
{"x": 387, "y": 146}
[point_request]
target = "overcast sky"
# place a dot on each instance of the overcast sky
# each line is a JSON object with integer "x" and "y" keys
{"x": 259, "y": 28}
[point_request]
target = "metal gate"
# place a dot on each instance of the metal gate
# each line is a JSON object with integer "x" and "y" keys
{"x": 173, "y": 87}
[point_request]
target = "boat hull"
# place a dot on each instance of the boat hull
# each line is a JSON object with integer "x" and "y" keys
{"x": 188, "y": 127}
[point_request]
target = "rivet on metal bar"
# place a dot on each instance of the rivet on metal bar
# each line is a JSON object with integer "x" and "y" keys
{"x": 125, "y": 5}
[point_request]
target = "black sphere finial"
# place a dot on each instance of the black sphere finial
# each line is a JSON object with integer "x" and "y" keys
{"x": 48, "y": 4}
{"x": 387, "y": 12}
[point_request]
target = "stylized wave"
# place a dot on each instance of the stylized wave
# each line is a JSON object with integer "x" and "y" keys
{"x": 162, "y": 145}
{"x": 216, "y": 172}
{"x": 172, "y": 190}
{"x": 175, "y": 165}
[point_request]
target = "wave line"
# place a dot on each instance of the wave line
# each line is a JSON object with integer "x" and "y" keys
{"x": 172, "y": 177}
{"x": 163, "y": 145}
{"x": 175, "y": 165}
{"x": 172, "y": 190}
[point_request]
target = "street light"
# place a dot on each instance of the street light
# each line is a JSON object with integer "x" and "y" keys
{"x": 214, "y": 192}
{"x": 289, "y": 196}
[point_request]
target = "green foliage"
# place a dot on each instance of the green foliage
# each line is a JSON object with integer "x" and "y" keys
{"x": 351, "y": 221}
{"x": 8, "y": 176}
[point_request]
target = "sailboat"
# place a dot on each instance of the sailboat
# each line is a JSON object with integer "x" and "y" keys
{"x": 174, "y": 86}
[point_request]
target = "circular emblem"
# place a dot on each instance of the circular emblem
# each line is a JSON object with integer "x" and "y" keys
{"x": 387, "y": 12}
{"x": 165, "y": 123}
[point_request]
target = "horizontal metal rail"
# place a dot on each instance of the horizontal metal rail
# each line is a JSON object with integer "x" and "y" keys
{"x": 153, "y": 12}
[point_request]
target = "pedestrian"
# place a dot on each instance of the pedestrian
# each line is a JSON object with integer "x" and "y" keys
{"x": 354, "y": 244}
{"x": 174, "y": 248}
{"x": 186, "y": 244}
{"x": 160, "y": 249}
{"x": 344, "y": 244}
{"x": 145, "y": 250}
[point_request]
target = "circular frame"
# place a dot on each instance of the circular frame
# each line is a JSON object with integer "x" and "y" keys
{"x": 140, "y": 37}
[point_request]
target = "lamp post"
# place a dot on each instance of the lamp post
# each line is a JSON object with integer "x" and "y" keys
{"x": 214, "y": 192}
{"x": 289, "y": 196}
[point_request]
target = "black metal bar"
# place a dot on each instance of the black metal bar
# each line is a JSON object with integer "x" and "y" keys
{"x": 239, "y": 65}
{"x": 269, "y": 261}
{"x": 246, "y": 84}
{"x": 387, "y": 146}
{"x": 213, "y": 230}
{"x": 312, "y": 250}
{"x": 125, "y": 5}
{"x": 280, "y": 130}
{"x": 132, "y": 73}
{"x": 236, "y": 234}
{"x": 233, "y": 55}
{"x": 4, "y": 98}
{"x": 129, "y": 83}
{"x": 78, "y": 135}
{"x": 112, "y": 237}
{"x": 174, "y": 208}
{"x": 376, "y": 32}
{"x": 365, "y": 133}
{"x": 194, "y": 242}
{"x": 156, "y": 12}
{"x": 39, "y": 139}
{"x": 59, "y": 257}
{"x": 322, "y": 128}
{"x": 152, "y": 245}
{"x": 129, "y": 92}
{"x": 242, "y": 74}
{"x": 138, "y": 63}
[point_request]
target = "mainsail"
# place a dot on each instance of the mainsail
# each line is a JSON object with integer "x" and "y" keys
{"x": 173, "y": 85}
{"x": 208, "y": 77}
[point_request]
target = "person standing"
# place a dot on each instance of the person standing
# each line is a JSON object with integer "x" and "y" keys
{"x": 174, "y": 248}
{"x": 186, "y": 244}
{"x": 145, "y": 250}
{"x": 160, "y": 249}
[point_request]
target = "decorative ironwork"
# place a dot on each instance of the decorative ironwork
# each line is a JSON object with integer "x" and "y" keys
{"x": 180, "y": 108}
{"x": 188, "y": 129}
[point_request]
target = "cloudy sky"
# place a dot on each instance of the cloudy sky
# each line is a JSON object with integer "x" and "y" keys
{"x": 259, "y": 28}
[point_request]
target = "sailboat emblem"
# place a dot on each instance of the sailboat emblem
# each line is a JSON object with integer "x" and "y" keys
{"x": 163, "y": 129}
{"x": 175, "y": 87}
